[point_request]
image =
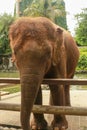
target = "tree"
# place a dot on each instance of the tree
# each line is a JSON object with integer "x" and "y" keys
{"x": 5, "y": 21}
{"x": 81, "y": 29}
{"x": 61, "y": 19}
{"x": 53, "y": 9}
{"x": 24, "y": 4}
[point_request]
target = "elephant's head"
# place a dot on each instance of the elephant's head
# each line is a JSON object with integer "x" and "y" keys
{"x": 33, "y": 42}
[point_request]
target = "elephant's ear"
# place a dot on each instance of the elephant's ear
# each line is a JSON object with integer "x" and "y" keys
{"x": 58, "y": 46}
{"x": 59, "y": 30}
{"x": 59, "y": 35}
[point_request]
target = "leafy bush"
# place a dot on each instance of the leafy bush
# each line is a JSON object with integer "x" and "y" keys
{"x": 82, "y": 64}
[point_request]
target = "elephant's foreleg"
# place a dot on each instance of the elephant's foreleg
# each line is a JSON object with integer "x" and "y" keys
{"x": 67, "y": 95}
{"x": 67, "y": 92}
{"x": 58, "y": 99}
{"x": 38, "y": 121}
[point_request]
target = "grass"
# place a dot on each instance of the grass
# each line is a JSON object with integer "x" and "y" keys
{"x": 9, "y": 74}
{"x": 13, "y": 88}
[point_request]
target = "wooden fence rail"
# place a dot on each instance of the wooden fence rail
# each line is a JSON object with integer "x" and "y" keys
{"x": 48, "y": 81}
{"x": 65, "y": 110}
{"x": 48, "y": 109}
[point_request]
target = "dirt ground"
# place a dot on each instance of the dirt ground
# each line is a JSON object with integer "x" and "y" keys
{"x": 78, "y": 98}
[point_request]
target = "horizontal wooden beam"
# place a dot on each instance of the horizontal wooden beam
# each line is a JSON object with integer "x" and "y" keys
{"x": 66, "y": 81}
{"x": 10, "y": 80}
{"x": 48, "y": 81}
{"x": 65, "y": 110}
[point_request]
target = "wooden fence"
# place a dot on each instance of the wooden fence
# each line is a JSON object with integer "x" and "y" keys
{"x": 80, "y": 111}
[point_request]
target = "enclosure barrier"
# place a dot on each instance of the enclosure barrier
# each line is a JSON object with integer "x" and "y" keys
{"x": 79, "y": 111}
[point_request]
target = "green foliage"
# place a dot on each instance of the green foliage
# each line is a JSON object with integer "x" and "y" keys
{"x": 82, "y": 64}
{"x": 55, "y": 10}
{"x": 83, "y": 50}
{"x": 81, "y": 29}
{"x": 35, "y": 9}
{"x": 23, "y": 5}
{"x": 5, "y": 21}
{"x": 61, "y": 19}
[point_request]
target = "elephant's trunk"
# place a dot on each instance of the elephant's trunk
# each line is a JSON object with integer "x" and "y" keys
{"x": 30, "y": 83}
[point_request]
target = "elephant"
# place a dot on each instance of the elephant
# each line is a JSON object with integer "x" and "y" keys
{"x": 41, "y": 49}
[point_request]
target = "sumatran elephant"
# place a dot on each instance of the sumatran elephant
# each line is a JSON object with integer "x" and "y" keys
{"x": 42, "y": 49}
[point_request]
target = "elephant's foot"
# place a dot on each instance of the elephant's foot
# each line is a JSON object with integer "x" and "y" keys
{"x": 39, "y": 124}
{"x": 59, "y": 123}
{"x": 68, "y": 104}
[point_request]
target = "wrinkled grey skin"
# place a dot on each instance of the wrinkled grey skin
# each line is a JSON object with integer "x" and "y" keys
{"x": 42, "y": 49}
